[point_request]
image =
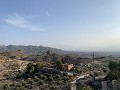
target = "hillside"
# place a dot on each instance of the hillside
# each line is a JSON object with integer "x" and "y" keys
{"x": 9, "y": 67}
{"x": 31, "y": 49}
{"x": 11, "y": 64}
{"x": 41, "y": 49}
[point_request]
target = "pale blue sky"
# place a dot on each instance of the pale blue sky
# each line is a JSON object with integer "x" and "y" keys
{"x": 64, "y": 24}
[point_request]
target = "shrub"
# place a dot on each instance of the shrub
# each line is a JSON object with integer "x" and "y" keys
{"x": 6, "y": 87}
{"x": 41, "y": 82}
{"x": 36, "y": 79}
{"x": 86, "y": 88}
{"x": 30, "y": 81}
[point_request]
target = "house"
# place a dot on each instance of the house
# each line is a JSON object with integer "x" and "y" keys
{"x": 67, "y": 66}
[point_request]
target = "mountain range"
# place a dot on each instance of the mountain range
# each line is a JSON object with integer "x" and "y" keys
{"x": 31, "y": 49}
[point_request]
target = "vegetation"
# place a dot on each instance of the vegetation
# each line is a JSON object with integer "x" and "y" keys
{"x": 6, "y": 87}
{"x": 31, "y": 69}
{"x": 30, "y": 49}
{"x": 113, "y": 65}
{"x": 43, "y": 70}
{"x": 114, "y": 70}
{"x": 59, "y": 63}
{"x": 86, "y": 88}
{"x": 37, "y": 76}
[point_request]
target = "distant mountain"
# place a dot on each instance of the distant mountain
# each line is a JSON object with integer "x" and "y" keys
{"x": 41, "y": 49}
{"x": 31, "y": 49}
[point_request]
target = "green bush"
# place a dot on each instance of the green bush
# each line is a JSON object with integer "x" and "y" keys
{"x": 6, "y": 87}
{"x": 36, "y": 79}
{"x": 86, "y": 88}
{"x": 41, "y": 82}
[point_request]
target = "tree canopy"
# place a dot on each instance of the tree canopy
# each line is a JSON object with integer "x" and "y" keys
{"x": 114, "y": 67}
{"x": 59, "y": 63}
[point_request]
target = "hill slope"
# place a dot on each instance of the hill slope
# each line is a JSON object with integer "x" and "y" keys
{"x": 31, "y": 49}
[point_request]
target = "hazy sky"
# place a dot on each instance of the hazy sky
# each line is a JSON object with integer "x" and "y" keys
{"x": 64, "y": 24}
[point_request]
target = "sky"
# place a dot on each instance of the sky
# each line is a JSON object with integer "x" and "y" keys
{"x": 64, "y": 24}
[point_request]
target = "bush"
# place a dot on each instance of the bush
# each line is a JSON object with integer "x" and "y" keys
{"x": 30, "y": 81}
{"x": 23, "y": 82}
{"x": 43, "y": 77}
{"x": 57, "y": 76}
{"x": 50, "y": 79}
{"x": 86, "y": 88}
{"x": 28, "y": 86}
{"x": 19, "y": 84}
{"x": 36, "y": 79}
{"x": 41, "y": 82}
{"x": 6, "y": 87}
{"x": 65, "y": 74}
{"x": 65, "y": 78}
{"x": 20, "y": 88}
{"x": 38, "y": 65}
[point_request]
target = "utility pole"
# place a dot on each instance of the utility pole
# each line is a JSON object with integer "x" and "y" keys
{"x": 93, "y": 59}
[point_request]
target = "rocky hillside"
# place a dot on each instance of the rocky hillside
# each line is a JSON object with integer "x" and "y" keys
{"x": 11, "y": 64}
{"x": 19, "y": 54}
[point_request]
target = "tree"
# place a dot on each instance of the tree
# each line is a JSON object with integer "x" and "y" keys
{"x": 114, "y": 70}
{"x": 32, "y": 69}
{"x": 59, "y": 63}
{"x": 119, "y": 66}
{"x": 114, "y": 74}
{"x": 113, "y": 65}
{"x": 49, "y": 52}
